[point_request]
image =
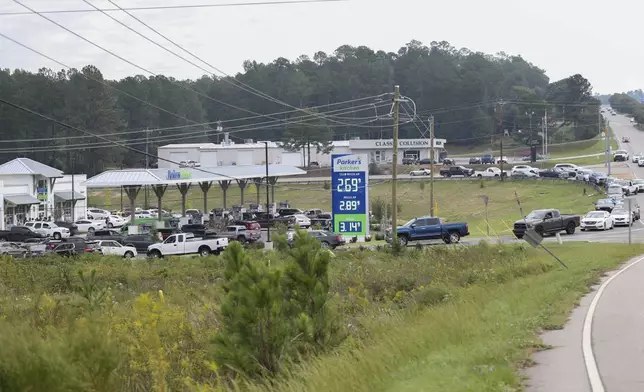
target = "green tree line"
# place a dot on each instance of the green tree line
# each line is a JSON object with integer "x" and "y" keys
{"x": 460, "y": 88}
{"x": 627, "y": 104}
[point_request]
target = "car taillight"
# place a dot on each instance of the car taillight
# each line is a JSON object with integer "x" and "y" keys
{"x": 339, "y": 238}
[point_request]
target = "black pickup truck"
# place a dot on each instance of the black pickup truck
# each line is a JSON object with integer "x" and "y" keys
{"x": 546, "y": 222}
{"x": 19, "y": 234}
{"x": 456, "y": 171}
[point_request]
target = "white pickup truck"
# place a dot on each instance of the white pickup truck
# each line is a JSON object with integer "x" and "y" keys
{"x": 490, "y": 172}
{"x": 186, "y": 244}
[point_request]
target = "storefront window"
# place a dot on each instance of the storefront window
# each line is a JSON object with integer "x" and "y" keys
{"x": 379, "y": 156}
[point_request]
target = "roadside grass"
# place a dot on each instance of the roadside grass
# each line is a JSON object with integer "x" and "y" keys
{"x": 459, "y": 200}
{"x": 479, "y": 340}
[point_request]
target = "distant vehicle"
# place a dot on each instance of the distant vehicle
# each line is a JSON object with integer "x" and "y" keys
{"x": 409, "y": 161}
{"x": 429, "y": 228}
{"x": 620, "y": 156}
{"x": 448, "y": 161}
{"x": 312, "y": 212}
{"x": 114, "y": 248}
{"x": 488, "y": 159}
{"x": 552, "y": 173}
{"x": 636, "y": 157}
{"x": 627, "y": 186}
{"x": 73, "y": 229}
{"x": 533, "y": 173}
{"x": 183, "y": 244}
{"x": 567, "y": 166}
{"x": 598, "y": 179}
{"x": 241, "y": 234}
{"x": 426, "y": 161}
{"x": 456, "y": 171}
{"x": 19, "y": 234}
{"x": 115, "y": 221}
{"x": 615, "y": 191}
{"x": 597, "y": 220}
{"x": 199, "y": 230}
{"x": 605, "y": 205}
{"x": 420, "y": 172}
{"x": 475, "y": 161}
{"x": 626, "y": 139}
{"x": 111, "y": 235}
{"x": 15, "y": 250}
{"x": 323, "y": 220}
{"x": 97, "y": 213}
{"x": 549, "y": 221}
{"x": 327, "y": 239}
{"x": 289, "y": 211}
{"x": 522, "y": 168}
{"x": 49, "y": 229}
{"x": 89, "y": 226}
{"x": 302, "y": 221}
{"x": 502, "y": 160}
{"x": 490, "y": 172}
{"x": 639, "y": 183}
{"x": 622, "y": 217}
{"x": 584, "y": 174}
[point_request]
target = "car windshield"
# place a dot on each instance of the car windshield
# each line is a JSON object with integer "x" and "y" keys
{"x": 536, "y": 215}
{"x": 620, "y": 152}
{"x": 411, "y": 222}
{"x": 595, "y": 215}
{"x": 605, "y": 201}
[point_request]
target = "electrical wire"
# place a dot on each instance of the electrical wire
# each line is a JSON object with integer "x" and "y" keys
{"x": 176, "y": 7}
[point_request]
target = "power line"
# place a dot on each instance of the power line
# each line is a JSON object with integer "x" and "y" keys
{"x": 229, "y": 80}
{"x": 176, "y": 7}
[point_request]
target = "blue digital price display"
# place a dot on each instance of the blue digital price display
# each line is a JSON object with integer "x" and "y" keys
{"x": 350, "y": 194}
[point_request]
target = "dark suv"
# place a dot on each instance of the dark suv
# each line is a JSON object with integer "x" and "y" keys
{"x": 456, "y": 171}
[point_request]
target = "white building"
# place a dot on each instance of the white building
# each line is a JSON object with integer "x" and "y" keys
{"x": 28, "y": 190}
{"x": 251, "y": 153}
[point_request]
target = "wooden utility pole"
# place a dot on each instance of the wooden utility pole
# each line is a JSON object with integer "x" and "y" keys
{"x": 431, "y": 167}
{"x": 394, "y": 172}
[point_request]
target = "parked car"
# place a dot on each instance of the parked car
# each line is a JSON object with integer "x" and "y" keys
{"x": 490, "y": 172}
{"x": 503, "y": 160}
{"x": 426, "y": 161}
{"x": 448, "y": 161}
{"x": 114, "y": 248}
{"x": 89, "y": 226}
{"x": 622, "y": 217}
{"x": 186, "y": 243}
{"x": 584, "y": 175}
{"x": 598, "y": 179}
{"x": 269, "y": 220}
{"x": 13, "y": 249}
{"x": 628, "y": 187}
{"x": 83, "y": 245}
{"x": 408, "y": 160}
{"x": 198, "y": 230}
{"x": 71, "y": 226}
{"x": 302, "y": 221}
{"x": 456, "y": 171}
{"x": 312, "y": 212}
{"x": 140, "y": 242}
{"x": 248, "y": 224}
{"x": 475, "y": 161}
{"x": 525, "y": 174}
{"x": 567, "y": 166}
{"x": 115, "y": 221}
{"x": 97, "y": 213}
{"x": 324, "y": 221}
{"x": 48, "y": 229}
{"x": 615, "y": 191}
{"x": 420, "y": 172}
{"x": 547, "y": 221}
{"x": 429, "y": 228}
{"x": 597, "y": 220}
{"x": 327, "y": 239}
{"x": 19, "y": 234}
{"x": 522, "y": 168}
{"x": 488, "y": 159}
{"x": 639, "y": 183}
{"x": 551, "y": 173}
{"x": 241, "y": 234}
{"x": 106, "y": 234}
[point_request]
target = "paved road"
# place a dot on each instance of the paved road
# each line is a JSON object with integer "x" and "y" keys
{"x": 615, "y": 347}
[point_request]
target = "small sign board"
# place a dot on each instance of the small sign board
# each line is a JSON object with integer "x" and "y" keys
{"x": 532, "y": 237}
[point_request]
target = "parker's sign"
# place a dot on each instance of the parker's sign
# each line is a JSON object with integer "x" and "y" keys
{"x": 179, "y": 175}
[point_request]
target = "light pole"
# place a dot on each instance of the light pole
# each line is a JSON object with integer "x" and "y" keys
{"x": 530, "y": 113}
{"x": 270, "y": 217}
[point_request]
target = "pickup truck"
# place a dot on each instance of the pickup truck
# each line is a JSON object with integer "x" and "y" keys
{"x": 49, "y": 229}
{"x": 269, "y": 220}
{"x": 490, "y": 172}
{"x": 430, "y": 228}
{"x": 546, "y": 222}
{"x": 456, "y": 171}
{"x": 241, "y": 234}
{"x": 19, "y": 234}
{"x": 185, "y": 244}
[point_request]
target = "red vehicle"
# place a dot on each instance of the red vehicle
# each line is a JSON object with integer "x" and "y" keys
{"x": 250, "y": 225}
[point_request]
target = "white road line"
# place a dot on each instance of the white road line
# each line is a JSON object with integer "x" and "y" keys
{"x": 594, "y": 378}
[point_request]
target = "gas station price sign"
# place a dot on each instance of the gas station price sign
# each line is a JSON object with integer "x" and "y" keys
{"x": 350, "y": 194}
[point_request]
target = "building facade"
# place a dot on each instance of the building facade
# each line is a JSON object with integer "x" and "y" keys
{"x": 28, "y": 190}
{"x": 235, "y": 154}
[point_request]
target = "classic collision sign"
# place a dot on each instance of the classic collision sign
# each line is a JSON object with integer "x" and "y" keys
{"x": 405, "y": 143}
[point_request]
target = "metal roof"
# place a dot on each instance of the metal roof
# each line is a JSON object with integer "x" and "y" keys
{"x": 21, "y": 199}
{"x": 189, "y": 145}
{"x": 31, "y": 167}
{"x": 117, "y": 178}
{"x": 67, "y": 196}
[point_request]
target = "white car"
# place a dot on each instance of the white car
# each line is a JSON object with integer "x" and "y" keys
{"x": 489, "y": 172}
{"x": 113, "y": 248}
{"x": 502, "y": 160}
{"x": 639, "y": 184}
{"x": 49, "y": 229}
{"x": 97, "y": 213}
{"x": 615, "y": 191}
{"x": 302, "y": 221}
{"x": 115, "y": 221}
{"x": 620, "y": 155}
{"x": 584, "y": 174}
{"x": 144, "y": 215}
{"x": 420, "y": 172}
{"x": 621, "y": 217}
{"x": 566, "y": 166}
{"x": 522, "y": 168}
{"x": 89, "y": 226}
{"x": 636, "y": 157}
{"x": 597, "y": 220}
{"x": 628, "y": 187}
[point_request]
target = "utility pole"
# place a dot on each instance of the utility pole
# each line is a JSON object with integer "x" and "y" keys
{"x": 545, "y": 137}
{"x": 394, "y": 172}
{"x": 607, "y": 141}
{"x": 147, "y": 165}
{"x": 501, "y": 127}
{"x": 431, "y": 163}
{"x": 73, "y": 190}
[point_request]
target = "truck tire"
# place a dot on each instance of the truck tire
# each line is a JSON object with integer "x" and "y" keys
{"x": 452, "y": 238}
{"x": 403, "y": 240}
{"x": 412, "y": 174}
{"x": 325, "y": 245}
{"x": 480, "y": 176}
{"x": 57, "y": 236}
{"x": 155, "y": 254}
{"x": 241, "y": 239}
{"x": 128, "y": 255}
{"x": 204, "y": 251}
{"x": 570, "y": 228}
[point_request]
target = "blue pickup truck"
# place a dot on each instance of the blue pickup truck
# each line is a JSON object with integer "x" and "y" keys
{"x": 430, "y": 228}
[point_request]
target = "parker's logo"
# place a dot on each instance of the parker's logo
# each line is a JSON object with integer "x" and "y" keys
{"x": 341, "y": 161}
{"x": 179, "y": 175}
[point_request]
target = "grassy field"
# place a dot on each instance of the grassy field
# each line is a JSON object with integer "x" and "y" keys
{"x": 457, "y": 200}
{"x": 445, "y": 318}
{"x": 479, "y": 340}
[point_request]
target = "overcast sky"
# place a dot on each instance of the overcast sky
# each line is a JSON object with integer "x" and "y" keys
{"x": 564, "y": 37}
